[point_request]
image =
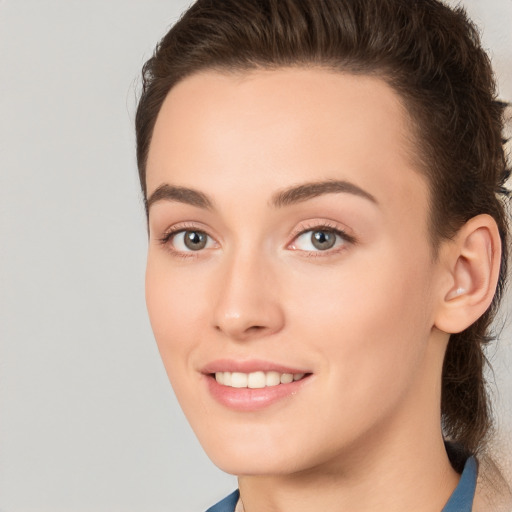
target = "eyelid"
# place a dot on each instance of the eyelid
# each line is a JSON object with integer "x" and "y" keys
{"x": 302, "y": 228}
{"x": 182, "y": 227}
{"x": 321, "y": 225}
{"x": 185, "y": 226}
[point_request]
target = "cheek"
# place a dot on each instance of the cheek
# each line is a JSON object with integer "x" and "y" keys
{"x": 369, "y": 320}
{"x": 174, "y": 308}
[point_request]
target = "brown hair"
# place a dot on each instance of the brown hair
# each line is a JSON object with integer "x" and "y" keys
{"x": 431, "y": 55}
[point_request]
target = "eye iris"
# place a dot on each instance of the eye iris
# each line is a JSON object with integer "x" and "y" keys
{"x": 195, "y": 240}
{"x": 323, "y": 240}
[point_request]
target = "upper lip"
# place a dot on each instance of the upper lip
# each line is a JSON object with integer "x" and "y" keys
{"x": 249, "y": 366}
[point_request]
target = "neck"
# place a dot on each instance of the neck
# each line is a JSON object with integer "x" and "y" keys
{"x": 399, "y": 465}
{"x": 417, "y": 477}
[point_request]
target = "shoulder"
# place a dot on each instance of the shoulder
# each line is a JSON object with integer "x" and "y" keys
{"x": 493, "y": 492}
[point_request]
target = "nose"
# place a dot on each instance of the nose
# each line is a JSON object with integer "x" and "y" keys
{"x": 247, "y": 303}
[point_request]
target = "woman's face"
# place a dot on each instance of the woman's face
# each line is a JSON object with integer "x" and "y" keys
{"x": 289, "y": 236}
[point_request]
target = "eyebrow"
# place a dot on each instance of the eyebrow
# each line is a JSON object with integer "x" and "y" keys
{"x": 300, "y": 193}
{"x": 184, "y": 195}
{"x": 286, "y": 197}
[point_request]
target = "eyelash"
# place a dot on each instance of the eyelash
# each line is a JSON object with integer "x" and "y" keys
{"x": 325, "y": 227}
{"x": 176, "y": 230}
{"x": 301, "y": 230}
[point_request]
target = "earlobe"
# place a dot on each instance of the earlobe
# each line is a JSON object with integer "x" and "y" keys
{"x": 473, "y": 263}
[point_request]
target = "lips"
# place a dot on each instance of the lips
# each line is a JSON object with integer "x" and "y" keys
{"x": 249, "y": 366}
{"x": 252, "y": 385}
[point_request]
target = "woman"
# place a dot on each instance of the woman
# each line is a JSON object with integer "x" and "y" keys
{"x": 327, "y": 246}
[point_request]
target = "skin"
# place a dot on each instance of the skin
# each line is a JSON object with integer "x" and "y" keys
{"x": 368, "y": 319}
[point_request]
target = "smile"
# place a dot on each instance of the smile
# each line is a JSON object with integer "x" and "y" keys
{"x": 256, "y": 380}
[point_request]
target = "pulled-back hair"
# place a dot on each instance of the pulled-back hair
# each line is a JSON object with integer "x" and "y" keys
{"x": 431, "y": 56}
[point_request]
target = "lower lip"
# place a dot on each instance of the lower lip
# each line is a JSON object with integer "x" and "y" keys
{"x": 247, "y": 399}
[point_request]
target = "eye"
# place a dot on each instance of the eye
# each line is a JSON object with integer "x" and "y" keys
{"x": 320, "y": 239}
{"x": 189, "y": 240}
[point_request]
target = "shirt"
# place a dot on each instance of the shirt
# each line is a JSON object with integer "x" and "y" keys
{"x": 461, "y": 499}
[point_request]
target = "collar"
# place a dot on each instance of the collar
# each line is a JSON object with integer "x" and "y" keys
{"x": 462, "y": 498}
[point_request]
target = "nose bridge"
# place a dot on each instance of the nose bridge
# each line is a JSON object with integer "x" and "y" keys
{"x": 247, "y": 302}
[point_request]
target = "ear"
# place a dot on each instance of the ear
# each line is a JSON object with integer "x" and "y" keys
{"x": 471, "y": 263}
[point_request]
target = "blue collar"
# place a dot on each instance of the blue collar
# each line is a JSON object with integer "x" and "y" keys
{"x": 462, "y": 498}
{"x": 228, "y": 504}
{"x": 460, "y": 501}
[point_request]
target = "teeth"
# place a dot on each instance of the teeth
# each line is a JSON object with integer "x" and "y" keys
{"x": 272, "y": 378}
{"x": 239, "y": 380}
{"x": 286, "y": 378}
{"x": 256, "y": 380}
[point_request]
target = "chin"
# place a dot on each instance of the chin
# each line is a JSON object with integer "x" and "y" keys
{"x": 257, "y": 453}
{"x": 244, "y": 465}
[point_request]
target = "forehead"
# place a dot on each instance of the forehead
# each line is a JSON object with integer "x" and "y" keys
{"x": 274, "y": 128}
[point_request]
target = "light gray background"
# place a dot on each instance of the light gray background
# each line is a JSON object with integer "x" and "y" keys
{"x": 87, "y": 418}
